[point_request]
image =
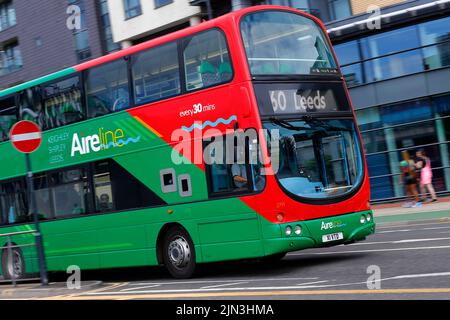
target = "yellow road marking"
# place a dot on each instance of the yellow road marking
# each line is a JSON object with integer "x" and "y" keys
{"x": 73, "y": 295}
{"x": 259, "y": 294}
{"x": 110, "y": 287}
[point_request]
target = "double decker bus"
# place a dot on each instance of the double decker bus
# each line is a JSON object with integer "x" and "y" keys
{"x": 124, "y": 175}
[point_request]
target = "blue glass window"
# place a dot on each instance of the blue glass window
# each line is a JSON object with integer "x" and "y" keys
{"x": 368, "y": 118}
{"x": 394, "y": 66}
{"x": 339, "y": 9}
{"x": 7, "y": 15}
{"x": 160, "y": 3}
{"x": 132, "y": 8}
{"x": 406, "y": 112}
{"x": 390, "y": 42}
{"x": 11, "y": 58}
{"x": 353, "y": 74}
{"x": 437, "y": 56}
{"x": 442, "y": 105}
{"x": 374, "y": 141}
{"x": 382, "y": 188}
{"x": 348, "y": 52}
{"x": 435, "y": 31}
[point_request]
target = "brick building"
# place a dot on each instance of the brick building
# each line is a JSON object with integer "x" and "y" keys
{"x": 35, "y": 39}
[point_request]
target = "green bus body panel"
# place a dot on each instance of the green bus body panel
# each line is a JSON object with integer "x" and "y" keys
{"x": 38, "y": 81}
{"x": 220, "y": 229}
{"x": 275, "y": 239}
{"x": 129, "y": 238}
{"x": 55, "y": 150}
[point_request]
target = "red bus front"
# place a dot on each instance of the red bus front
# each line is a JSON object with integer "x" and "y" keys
{"x": 316, "y": 187}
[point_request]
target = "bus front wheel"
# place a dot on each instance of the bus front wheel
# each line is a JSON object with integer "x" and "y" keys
{"x": 13, "y": 265}
{"x": 179, "y": 253}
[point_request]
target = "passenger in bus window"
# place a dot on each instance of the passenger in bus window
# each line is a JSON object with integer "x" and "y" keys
{"x": 239, "y": 169}
{"x": 104, "y": 203}
{"x": 239, "y": 173}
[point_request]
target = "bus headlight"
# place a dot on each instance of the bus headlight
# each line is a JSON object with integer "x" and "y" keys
{"x": 288, "y": 230}
{"x": 363, "y": 219}
{"x": 369, "y": 217}
{"x": 298, "y": 230}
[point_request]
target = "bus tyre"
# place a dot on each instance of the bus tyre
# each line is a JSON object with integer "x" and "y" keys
{"x": 179, "y": 253}
{"x": 13, "y": 265}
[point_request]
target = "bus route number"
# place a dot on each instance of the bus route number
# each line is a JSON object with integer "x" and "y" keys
{"x": 279, "y": 100}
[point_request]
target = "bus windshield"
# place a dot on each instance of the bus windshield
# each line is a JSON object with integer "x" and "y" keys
{"x": 285, "y": 43}
{"x": 316, "y": 159}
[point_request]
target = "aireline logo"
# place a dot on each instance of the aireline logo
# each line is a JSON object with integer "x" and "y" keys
{"x": 331, "y": 225}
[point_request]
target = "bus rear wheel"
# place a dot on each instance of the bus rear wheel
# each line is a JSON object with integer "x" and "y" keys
{"x": 179, "y": 253}
{"x": 13, "y": 265}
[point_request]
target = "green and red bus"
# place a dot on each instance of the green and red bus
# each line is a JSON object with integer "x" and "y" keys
{"x": 109, "y": 192}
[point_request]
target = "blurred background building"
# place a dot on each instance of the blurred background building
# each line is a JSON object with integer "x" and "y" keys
{"x": 136, "y": 21}
{"x": 398, "y": 75}
{"x": 35, "y": 39}
{"x": 398, "y": 78}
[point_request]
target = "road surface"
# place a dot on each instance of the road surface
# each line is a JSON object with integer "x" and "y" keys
{"x": 411, "y": 258}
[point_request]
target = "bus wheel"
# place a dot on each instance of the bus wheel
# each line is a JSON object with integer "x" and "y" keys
{"x": 179, "y": 253}
{"x": 13, "y": 266}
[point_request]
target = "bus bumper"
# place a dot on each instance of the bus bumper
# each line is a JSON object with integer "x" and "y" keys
{"x": 323, "y": 232}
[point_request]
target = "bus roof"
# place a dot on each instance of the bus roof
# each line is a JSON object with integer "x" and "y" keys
{"x": 147, "y": 45}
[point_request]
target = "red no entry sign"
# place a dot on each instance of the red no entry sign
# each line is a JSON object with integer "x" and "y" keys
{"x": 26, "y": 136}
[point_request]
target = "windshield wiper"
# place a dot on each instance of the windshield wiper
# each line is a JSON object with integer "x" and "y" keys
{"x": 285, "y": 124}
{"x": 316, "y": 124}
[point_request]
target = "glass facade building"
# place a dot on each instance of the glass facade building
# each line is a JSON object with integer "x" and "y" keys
{"x": 396, "y": 53}
{"x": 326, "y": 10}
{"x": 388, "y": 130}
{"x": 394, "y": 57}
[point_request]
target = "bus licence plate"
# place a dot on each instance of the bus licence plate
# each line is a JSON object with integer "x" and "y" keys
{"x": 332, "y": 237}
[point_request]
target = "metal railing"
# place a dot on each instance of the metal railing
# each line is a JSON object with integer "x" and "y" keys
{"x": 10, "y": 246}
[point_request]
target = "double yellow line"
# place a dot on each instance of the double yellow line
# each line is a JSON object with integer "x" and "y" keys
{"x": 107, "y": 296}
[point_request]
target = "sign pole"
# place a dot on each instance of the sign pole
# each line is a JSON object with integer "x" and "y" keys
{"x": 33, "y": 211}
{"x": 26, "y": 137}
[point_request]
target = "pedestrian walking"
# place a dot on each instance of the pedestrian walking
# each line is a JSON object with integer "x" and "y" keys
{"x": 423, "y": 165}
{"x": 409, "y": 179}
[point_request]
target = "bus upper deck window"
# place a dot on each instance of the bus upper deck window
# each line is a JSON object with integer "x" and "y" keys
{"x": 8, "y": 116}
{"x": 207, "y": 60}
{"x": 107, "y": 88}
{"x": 286, "y": 43}
{"x": 156, "y": 74}
{"x": 62, "y": 103}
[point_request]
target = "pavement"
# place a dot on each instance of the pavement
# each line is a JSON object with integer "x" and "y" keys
{"x": 407, "y": 258}
{"x": 394, "y": 212}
